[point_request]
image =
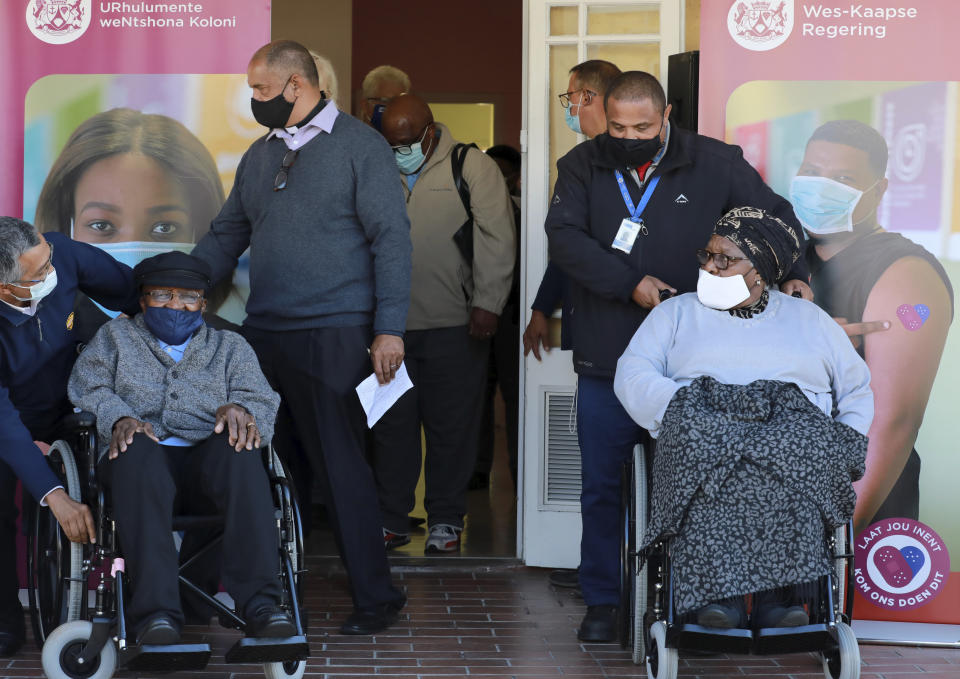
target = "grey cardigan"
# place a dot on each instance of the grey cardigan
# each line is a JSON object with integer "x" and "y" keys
{"x": 124, "y": 372}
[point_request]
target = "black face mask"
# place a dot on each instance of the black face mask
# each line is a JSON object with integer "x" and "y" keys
{"x": 274, "y": 112}
{"x": 632, "y": 153}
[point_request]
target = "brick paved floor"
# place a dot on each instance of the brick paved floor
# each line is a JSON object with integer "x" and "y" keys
{"x": 501, "y": 620}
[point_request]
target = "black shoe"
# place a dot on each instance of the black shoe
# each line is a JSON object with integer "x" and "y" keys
{"x": 372, "y": 620}
{"x": 718, "y": 616}
{"x": 12, "y": 631}
{"x": 160, "y": 630}
{"x": 9, "y": 644}
{"x": 269, "y": 621}
{"x": 599, "y": 624}
{"x": 782, "y": 616}
{"x": 565, "y": 577}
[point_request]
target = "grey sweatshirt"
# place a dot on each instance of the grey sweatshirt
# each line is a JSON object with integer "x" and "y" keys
{"x": 124, "y": 372}
{"x": 332, "y": 249}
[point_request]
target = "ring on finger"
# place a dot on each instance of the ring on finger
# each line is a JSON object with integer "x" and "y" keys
{"x": 251, "y": 424}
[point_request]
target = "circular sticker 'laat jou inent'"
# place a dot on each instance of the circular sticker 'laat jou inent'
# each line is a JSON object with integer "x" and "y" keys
{"x": 900, "y": 564}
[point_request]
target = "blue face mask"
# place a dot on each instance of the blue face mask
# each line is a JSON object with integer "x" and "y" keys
{"x": 376, "y": 120}
{"x": 410, "y": 163}
{"x": 172, "y": 326}
{"x": 573, "y": 121}
{"x": 824, "y": 206}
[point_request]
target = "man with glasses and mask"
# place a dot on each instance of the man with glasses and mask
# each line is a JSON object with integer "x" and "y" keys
{"x": 318, "y": 203}
{"x": 40, "y": 275}
{"x": 455, "y": 304}
{"x": 628, "y": 210}
{"x": 865, "y": 276}
{"x": 583, "y": 107}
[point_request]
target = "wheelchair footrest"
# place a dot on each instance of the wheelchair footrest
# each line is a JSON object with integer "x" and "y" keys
{"x": 167, "y": 658}
{"x": 700, "y": 638}
{"x": 252, "y": 650}
{"x": 777, "y": 640}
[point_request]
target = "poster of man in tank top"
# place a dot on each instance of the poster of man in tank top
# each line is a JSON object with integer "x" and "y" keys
{"x": 863, "y": 142}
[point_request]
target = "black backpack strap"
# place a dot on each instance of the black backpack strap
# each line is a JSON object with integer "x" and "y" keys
{"x": 464, "y": 235}
{"x": 458, "y": 157}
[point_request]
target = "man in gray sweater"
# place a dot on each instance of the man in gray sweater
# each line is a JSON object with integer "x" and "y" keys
{"x": 181, "y": 411}
{"x": 318, "y": 203}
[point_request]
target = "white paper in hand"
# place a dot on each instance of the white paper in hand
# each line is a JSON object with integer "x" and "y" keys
{"x": 377, "y": 399}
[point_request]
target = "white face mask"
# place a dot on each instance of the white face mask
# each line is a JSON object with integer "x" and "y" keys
{"x": 721, "y": 292}
{"x": 40, "y": 290}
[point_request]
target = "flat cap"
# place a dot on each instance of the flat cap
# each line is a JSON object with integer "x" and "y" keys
{"x": 176, "y": 269}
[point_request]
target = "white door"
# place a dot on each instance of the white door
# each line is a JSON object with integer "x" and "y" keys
{"x": 634, "y": 36}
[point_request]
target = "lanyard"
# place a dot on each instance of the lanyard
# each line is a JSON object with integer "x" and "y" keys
{"x": 635, "y": 212}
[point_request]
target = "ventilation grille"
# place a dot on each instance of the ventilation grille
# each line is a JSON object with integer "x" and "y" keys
{"x": 562, "y": 451}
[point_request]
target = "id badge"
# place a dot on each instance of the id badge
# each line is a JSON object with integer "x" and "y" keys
{"x": 626, "y": 236}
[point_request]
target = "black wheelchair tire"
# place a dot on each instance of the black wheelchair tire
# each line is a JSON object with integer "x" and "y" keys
{"x": 54, "y": 564}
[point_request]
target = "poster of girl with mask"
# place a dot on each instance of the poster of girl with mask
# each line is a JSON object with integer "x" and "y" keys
{"x": 136, "y": 184}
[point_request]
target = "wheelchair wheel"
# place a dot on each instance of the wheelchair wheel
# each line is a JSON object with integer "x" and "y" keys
{"x": 291, "y": 540}
{"x": 640, "y": 575}
{"x": 285, "y": 670}
{"x": 627, "y": 547}
{"x": 64, "y": 646}
{"x": 663, "y": 662}
{"x": 54, "y": 564}
{"x": 843, "y": 663}
{"x": 841, "y": 538}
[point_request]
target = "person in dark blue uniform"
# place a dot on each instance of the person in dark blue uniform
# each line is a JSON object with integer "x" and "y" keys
{"x": 40, "y": 275}
{"x": 628, "y": 210}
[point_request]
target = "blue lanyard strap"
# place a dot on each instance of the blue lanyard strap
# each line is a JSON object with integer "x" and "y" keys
{"x": 635, "y": 212}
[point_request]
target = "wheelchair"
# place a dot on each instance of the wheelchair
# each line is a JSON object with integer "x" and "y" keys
{"x": 655, "y": 634}
{"x": 84, "y": 639}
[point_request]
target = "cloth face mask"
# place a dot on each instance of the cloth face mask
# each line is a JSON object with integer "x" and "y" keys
{"x": 823, "y": 205}
{"x": 275, "y": 112}
{"x": 721, "y": 292}
{"x": 172, "y": 326}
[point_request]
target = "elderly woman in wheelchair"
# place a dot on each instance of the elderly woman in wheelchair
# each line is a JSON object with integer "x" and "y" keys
{"x": 759, "y": 405}
{"x": 181, "y": 411}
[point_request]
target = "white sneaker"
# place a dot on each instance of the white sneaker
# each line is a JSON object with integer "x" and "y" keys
{"x": 443, "y": 538}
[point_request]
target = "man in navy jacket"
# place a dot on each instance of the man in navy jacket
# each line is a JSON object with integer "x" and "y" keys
{"x": 629, "y": 209}
{"x": 40, "y": 276}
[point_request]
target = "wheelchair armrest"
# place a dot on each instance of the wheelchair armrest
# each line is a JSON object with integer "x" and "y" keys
{"x": 81, "y": 420}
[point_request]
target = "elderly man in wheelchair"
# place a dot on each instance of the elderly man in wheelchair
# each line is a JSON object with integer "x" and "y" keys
{"x": 181, "y": 411}
{"x": 759, "y": 405}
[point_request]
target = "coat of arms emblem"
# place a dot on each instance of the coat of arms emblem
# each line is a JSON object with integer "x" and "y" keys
{"x": 760, "y": 25}
{"x": 58, "y": 21}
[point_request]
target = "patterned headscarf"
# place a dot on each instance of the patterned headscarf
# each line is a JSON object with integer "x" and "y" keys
{"x": 771, "y": 245}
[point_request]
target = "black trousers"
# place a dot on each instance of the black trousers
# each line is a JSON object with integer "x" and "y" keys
{"x": 11, "y": 614}
{"x": 150, "y": 482}
{"x": 316, "y": 373}
{"x": 504, "y": 370}
{"x": 448, "y": 368}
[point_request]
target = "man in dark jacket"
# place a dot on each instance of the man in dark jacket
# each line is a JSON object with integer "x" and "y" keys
{"x": 40, "y": 276}
{"x": 628, "y": 211}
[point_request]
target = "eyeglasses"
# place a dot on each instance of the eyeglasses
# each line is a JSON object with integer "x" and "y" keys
{"x": 46, "y": 269}
{"x": 721, "y": 260}
{"x": 584, "y": 100}
{"x": 164, "y": 296}
{"x": 280, "y": 181}
{"x": 407, "y": 149}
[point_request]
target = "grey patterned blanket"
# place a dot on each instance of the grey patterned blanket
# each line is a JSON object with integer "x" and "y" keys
{"x": 748, "y": 478}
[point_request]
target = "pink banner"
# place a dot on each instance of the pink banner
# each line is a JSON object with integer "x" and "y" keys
{"x": 44, "y": 37}
{"x": 774, "y": 73}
